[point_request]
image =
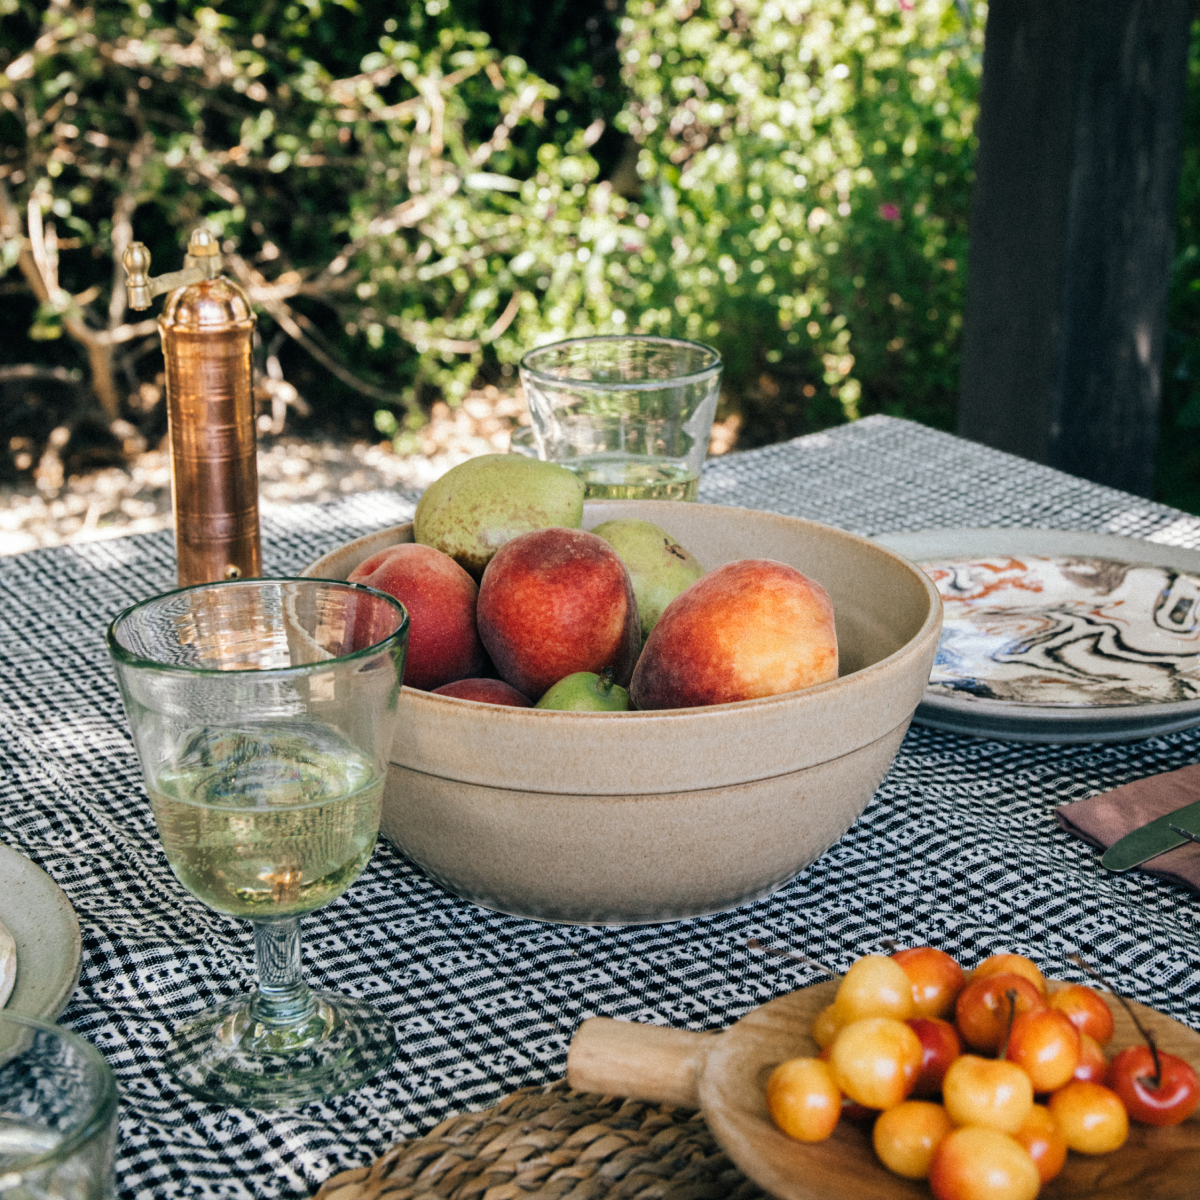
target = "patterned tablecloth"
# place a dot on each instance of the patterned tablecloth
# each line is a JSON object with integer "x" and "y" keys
{"x": 959, "y": 847}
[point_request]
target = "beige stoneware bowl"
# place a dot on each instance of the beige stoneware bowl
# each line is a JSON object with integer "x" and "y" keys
{"x": 619, "y": 818}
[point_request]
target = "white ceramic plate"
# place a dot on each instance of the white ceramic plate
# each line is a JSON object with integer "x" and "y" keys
{"x": 1058, "y": 636}
{"x": 46, "y": 930}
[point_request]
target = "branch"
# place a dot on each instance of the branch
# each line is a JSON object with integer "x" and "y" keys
{"x": 294, "y": 323}
{"x": 38, "y": 262}
{"x": 525, "y": 103}
{"x": 122, "y": 227}
{"x": 405, "y": 106}
{"x": 505, "y": 319}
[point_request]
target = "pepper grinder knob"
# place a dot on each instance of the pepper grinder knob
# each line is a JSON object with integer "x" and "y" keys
{"x": 202, "y": 261}
{"x": 202, "y": 244}
{"x": 136, "y": 261}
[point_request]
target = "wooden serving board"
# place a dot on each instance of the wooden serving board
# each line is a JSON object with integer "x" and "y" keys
{"x": 725, "y": 1074}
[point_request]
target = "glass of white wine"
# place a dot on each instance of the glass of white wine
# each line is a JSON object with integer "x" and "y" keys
{"x": 631, "y": 415}
{"x": 262, "y": 711}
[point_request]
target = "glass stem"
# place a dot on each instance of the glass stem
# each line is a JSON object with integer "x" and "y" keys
{"x": 283, "y": 998}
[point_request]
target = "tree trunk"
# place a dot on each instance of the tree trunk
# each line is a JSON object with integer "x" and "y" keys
{"x": 1072, "y": 231}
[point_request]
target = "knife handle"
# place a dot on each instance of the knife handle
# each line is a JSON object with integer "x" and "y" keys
{"x": 643, "y": 1062}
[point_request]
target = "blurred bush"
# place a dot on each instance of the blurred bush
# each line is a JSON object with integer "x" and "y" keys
{"x": 399, "y": 201}
{"x": 806, "y": 168}
{"x": 401, "y": 223}
{"x": 413, "y": 197}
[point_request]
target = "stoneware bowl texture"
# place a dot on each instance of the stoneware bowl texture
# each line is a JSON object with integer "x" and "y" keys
{"x": 619, "y": 818}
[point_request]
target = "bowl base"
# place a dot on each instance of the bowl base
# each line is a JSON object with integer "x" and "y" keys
{"x": 695, "y": 853}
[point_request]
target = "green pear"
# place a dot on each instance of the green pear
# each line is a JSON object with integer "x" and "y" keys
{"x": 586, "y": 692}
{"x": 658, "y": 565}
{"x": 472, "y": 510}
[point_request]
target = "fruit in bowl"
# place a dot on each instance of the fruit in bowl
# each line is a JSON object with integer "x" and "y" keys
{"x": 616, "y": 817}
{"x": 554, "y": 602}
{"x": 748, "y": 629}
{"x": 659, "y": 567}
{"x": 472, "y": 510}
{"x": 440, "y": 598}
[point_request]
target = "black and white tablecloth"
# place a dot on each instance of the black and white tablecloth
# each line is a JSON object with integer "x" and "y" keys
{"x": 959, "y": 848}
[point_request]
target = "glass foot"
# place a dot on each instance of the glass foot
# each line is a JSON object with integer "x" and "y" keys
{"x": 228, "y": 1057}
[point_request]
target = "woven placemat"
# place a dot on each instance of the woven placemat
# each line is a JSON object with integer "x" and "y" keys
{"x": 554, "y": 1142}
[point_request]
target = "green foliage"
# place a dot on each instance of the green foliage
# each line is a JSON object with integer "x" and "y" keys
{"x": 1177, "y": 470}
{"x": 807, "y": 167}
{"x": 417, "y": 194}
{"x": 406, "y": 219}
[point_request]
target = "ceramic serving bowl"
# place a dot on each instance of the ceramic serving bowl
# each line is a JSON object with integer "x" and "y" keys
{"x": 618, "y": 818}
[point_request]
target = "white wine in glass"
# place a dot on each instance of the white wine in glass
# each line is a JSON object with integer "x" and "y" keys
{"x": 262, "y": 711}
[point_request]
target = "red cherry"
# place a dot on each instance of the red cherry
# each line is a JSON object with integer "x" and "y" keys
{"x": 940, "y": 1046}
{"x": 1169, "y": 1100}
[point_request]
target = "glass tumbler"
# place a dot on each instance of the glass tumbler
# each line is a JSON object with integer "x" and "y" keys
{"x": 631, "y": 415}
{"x": 58, "y": 1114}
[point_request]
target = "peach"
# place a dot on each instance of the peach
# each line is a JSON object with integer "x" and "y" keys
{"x": 484, "y": 691}
{"x": 750, "y": 628}
{"x": 443, "y": 644}
{"x": 556, "y": 601}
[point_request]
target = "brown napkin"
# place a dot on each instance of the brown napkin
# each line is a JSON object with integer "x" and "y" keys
{"x": 1105, "y": 819}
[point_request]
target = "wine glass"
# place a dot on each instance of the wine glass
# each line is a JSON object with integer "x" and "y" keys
{"x": 262, "y": 711}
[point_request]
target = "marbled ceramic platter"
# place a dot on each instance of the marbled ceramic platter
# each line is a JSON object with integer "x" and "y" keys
{"x": 1060, "y": 636}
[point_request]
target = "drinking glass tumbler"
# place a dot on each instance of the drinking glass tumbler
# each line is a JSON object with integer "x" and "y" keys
{"x": 58, "y": 1114}
{"x": 631, "y": 415}
{"x": 263, "y": 712}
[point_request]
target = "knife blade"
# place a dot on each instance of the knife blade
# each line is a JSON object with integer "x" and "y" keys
{"x": 1150, "y": 840}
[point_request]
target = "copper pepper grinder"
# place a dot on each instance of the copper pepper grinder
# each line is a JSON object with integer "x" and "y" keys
{"x": 206, "y": 328}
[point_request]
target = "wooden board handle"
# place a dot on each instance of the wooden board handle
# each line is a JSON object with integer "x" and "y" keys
{"x": 643, "y": 1062}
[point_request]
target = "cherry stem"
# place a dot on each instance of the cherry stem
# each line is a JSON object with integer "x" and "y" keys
{"x": 1011, "y": 996}
{"x": 1146, "y": 1034}
{"x": 755, "y": 944}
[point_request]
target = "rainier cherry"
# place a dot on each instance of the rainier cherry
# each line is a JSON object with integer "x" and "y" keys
{"x": 876, "y": 1061}
{"x": 1093, "y": 1065}
{"x": 1086, "y": 1010}
{"x": 1043, "y": 1142}
{"x": 803, "y": 1100}
{"x": 936, "y": 980}
{"x": 875, "y": 986}
{"x": 1156, "y": 1088}
{"x": 1011, "y": 964}
{"x": 987, "y": 1091}
{"x": 940, "y": 1046}
{"x": 1046, "y": 1045}
{"x": 984, "y": 1008}
{"x": 906, "y": 1136}
{"x": 1092, "y": 1118}
{"x": 825, "y": 1026}
{"x": 982, "y": 1164}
